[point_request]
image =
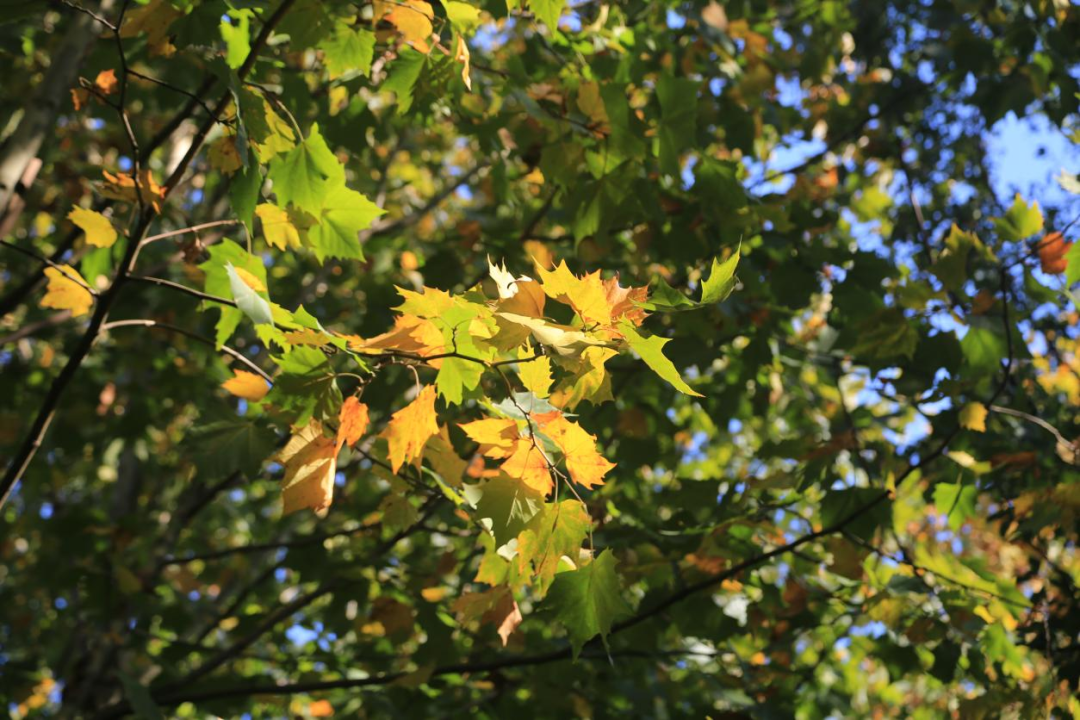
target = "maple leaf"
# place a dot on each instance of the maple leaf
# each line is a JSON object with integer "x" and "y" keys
{"x": 1052, "y": 251}
{"x": 556, "y": 531}
{"x": 529, "y": 299}
{"x": 497, "y": 437}
{"x": 651, "y": 351}
{"x": 99, "y": 231}
{"x": 440, "y": 453}
{"x": 588, "y": 600}
{"x": 65, "y": 293}
{"x": 344, "y": 213}
{"x": 410, "y": 334}
{"x": 585, "y": 294}
{"x": 154, "y": 20}
{"x": 122, "y": 187}
{"x": 626, "y": 303}
{"x": 310, "y": 461}
{"x": 224, "y": 155}
{"x": 412, "y": 18}
{"x": 586, "y": 466}
{"x": 410, "y": 428}
{"x": 528, "y": 464}
{"x": 246, "y": 385}
{"x": 493, "y": 607}
{"x": 563, "y": 339}
{"x": 304, "y": 175}
{"x": 535, "y": 373}
{"x": 353, "y": 422}
{"x": 588, "y": 378}
{"x": 278, "y": 227}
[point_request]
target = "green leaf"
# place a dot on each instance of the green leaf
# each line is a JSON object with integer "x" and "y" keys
{"x": 678, "y": 120}
{"x": 509, "y": 504}
{"x": 250, "y": 302}
{"x": 306, "y": 387}
{"x": 142, "y": 702}
{"x": 955, "y": 501}
{"x": 548, "y": 11}
{"x": 557, "y": 531}
{"x": 1021, "y": 221}
{"x": 235, "y": 444}
{"x": 851, "y": 504}
{"x": 463, "y": 16}
{"x": 235, "y": 31}
{"x": 219, "y": 283}
{"x": 984, "y": 349}
{"x": 348, "y": 49}
{"x": 651, "y": 351}
{"x": 664, "y": 298}
{"x": 244, "y": 192}
{"x": 588, "y": 601}
{"x": 886, "y": 334}
{"x": 721, "y": 280}
{"x": 1072, "y": 268}
{"x": 304, "y": 175}
{"x": 404, "y": 72}
{"x": 343, "y": 215}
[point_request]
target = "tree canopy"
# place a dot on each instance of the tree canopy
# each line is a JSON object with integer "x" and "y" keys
{"x": 536, "y": 358}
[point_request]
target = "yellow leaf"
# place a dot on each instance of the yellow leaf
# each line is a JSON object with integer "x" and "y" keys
{"x": 528, "y": 464}
{"x": 590, "y": 103}
{"x": 246, "y": 385}
{"x": 585, "y": 294}
{"x": 586, "y": 466}
{"x": 64, "y": 293}
{"x": 99, "y": 231}
{"x": 250, "y": 280}
{"x": 224, "y": 155}
{"x": 410, "y": 428}
{"x": 440, "y": 454}
{"x": 973, "y": 417}
{"x": 434, "y": 594}
{"x": 462, "y": 56}
{"x": 497, "y": 437}
{"x": 278, "y": 228}
{"x": 412, "y": 18}
{"x": 563, "y": 339}
{"x": 310, "y": 461}
{"x": 353, "y": 422}
{"x": 535, "y": 374}
{"x": 153, "y": 19}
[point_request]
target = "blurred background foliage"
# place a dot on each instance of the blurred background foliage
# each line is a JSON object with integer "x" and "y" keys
{"x": 144, "y": 562}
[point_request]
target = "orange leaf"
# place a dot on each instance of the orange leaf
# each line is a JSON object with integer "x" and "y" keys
{"x": 353, "y": 422}
{"x": 321, "y": 708}
{"x": 528, "y": 464}
{"x": 587, "y": 467}
{"x": 122, "y": 187}
{"x": 310, "y": 461}
{"x": 1052, "y": 251}
{"x": 246, "y": 385}
{"x": 106, "y": 82}
{"x": 411, "y": 427}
